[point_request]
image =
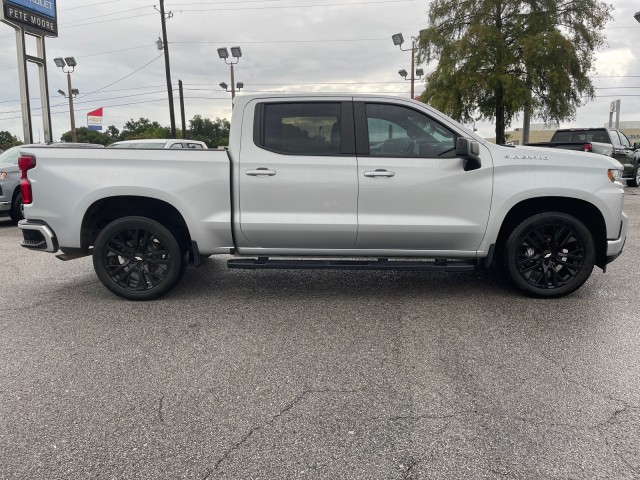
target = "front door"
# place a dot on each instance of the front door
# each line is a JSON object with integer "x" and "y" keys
{"x": 414, "y": 192}
{"x": 298, "y": 184}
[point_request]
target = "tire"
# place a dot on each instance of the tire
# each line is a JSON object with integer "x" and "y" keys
{"x": 138, "y": 258}
{"x": 17, "y": 209}
{"x": 550, "y": 255}
{"x": 636, "y": 178}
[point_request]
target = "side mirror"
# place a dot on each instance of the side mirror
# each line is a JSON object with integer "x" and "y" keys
{"x": 636, "y": 145}
{"x": 469, "y": 150}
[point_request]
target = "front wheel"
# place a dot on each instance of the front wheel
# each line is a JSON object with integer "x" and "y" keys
{"x": 550, "y": 254}
{"x": 137, "y": 258}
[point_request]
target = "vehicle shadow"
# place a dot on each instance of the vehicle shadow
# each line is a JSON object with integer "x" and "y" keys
{"x": 6, "y": 222}
{"x": 214, "y": 278}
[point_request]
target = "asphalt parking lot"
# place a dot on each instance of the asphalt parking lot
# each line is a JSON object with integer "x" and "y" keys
{"x": 317, "y": 375}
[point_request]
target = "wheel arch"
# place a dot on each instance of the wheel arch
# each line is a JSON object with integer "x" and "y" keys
{"x": 106, "y": 210}
{"x": 584, "y": 211}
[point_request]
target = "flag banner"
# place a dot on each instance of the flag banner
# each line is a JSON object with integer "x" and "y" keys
{"x": 94, "y": 119}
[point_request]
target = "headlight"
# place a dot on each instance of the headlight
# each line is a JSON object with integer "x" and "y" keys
{"x": 615, "y": 174}
{"x": 3, "y": 175}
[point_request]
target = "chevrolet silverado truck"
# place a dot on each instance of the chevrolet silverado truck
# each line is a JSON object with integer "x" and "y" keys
{"x": 328, "y": 182}
{"x": 605, "y": 141}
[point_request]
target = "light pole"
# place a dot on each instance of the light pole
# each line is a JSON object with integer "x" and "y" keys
{"x": 225, "y": 87}
{"x": 236, "y": 53}
{"x": 70, "y": 63}
{"x": 398, "y": 39}
{"x": 418, "y": 72}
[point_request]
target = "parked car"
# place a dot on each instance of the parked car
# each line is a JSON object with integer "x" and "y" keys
{"x": 159, "y": 143}
{"x": 606, "y": 141}
{"x": 10, "y": 195}
{"x": 329, "y": 182}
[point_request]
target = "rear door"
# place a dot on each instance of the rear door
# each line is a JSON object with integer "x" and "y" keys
{"x": 298, "y": 183}
{"x": 414, "y": 191}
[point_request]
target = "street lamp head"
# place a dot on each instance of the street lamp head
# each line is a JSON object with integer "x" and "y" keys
{"x": 397, "y": 38}
{"x": 240, "y": 85}
{"x": 223, "y": 53}
{"x": 75, "y": 91}
{"x": 62, "y": 93}
{"x": 419, "y": 72}
{"x": 637, "y": 16}
{"x": 224, "y": 85}
{"x": 71, "y": 62}
{"x": 236, "y": 52}
{"x": 59, "y": 62}
{"x": 403, "y": 73}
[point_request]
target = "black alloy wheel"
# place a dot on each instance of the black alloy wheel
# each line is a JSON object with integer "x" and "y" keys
{"x": 17, "y": 208}
{"x": 635, "y": 182}
{"x": 550, "y": 254}
{"x": 137, "y": 258}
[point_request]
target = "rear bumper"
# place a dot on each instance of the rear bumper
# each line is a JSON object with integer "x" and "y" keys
{"x": 38, "y": 236}
{"x": 614, "y": 247}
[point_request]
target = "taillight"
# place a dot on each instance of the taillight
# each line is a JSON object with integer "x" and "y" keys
{"x": 588, "y": 147}
{"x": 26, "y": 164}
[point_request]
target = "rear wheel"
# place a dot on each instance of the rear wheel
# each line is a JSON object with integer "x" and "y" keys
{"x": 550, "y": 254}
{"x": 17, "y": 209}
{"x": 138, "y": 258}
{"x": 635, "y": 181}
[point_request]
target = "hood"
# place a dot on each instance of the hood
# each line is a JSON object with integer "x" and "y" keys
{"x": 554, "y": 156}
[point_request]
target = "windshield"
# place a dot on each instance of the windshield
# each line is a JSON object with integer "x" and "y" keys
{"x": 10, "y": 156}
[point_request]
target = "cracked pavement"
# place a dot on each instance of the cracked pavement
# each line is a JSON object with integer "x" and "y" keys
{"x": 317, "y": 375}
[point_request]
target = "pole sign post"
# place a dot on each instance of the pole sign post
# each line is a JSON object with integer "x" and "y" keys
{"x": 38, "y": 18}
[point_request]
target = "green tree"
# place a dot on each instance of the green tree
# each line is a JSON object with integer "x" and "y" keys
{"x": 113, "y": 133}
{"x": 84, "y": 135}
{"x": 143, "y": 128}
{"x": 214, "y": 133}
{"x": 7, "y": 140}
{"x": 498, "y": 57}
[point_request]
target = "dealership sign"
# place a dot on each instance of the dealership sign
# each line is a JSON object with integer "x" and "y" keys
{"x": 38, "y": 17}
{"x": 94, "y": 119}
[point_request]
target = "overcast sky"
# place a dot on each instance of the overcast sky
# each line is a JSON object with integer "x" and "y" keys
{"x": 287, "y": 45}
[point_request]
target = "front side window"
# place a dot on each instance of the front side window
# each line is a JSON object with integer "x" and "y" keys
{"x": 396, "y": 131}
{"x": 624, "y": 141}
{"x": 302, "y": 128}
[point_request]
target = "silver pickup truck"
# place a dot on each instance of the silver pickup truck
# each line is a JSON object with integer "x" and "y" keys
{"x": 340, "y": 182}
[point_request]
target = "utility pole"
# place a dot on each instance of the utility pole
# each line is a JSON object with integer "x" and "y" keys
{"x": 182, "y": 115}
{"x": 167, "y": 66}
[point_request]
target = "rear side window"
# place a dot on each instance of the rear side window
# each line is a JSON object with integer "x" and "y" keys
{"x": 302, "y": 128}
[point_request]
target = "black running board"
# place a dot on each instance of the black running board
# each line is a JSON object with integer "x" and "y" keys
{"x": 411, "y": 265}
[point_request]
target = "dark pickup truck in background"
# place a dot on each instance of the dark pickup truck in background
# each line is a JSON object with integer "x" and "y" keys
{"x": 605, "y": 141}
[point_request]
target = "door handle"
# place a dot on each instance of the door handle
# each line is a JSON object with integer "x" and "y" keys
{"x": 260, "y": 172}
{"x": 380, "y": 173}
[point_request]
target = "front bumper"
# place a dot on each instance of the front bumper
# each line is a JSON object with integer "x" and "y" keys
{"x": 38, "y": 236}
{"x": 614, "y": 247}
{"x": 4, "y": 207}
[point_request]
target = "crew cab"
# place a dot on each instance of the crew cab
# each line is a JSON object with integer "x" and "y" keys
{"x": 328, "y": 181}
{"x": 605, "y": 141}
